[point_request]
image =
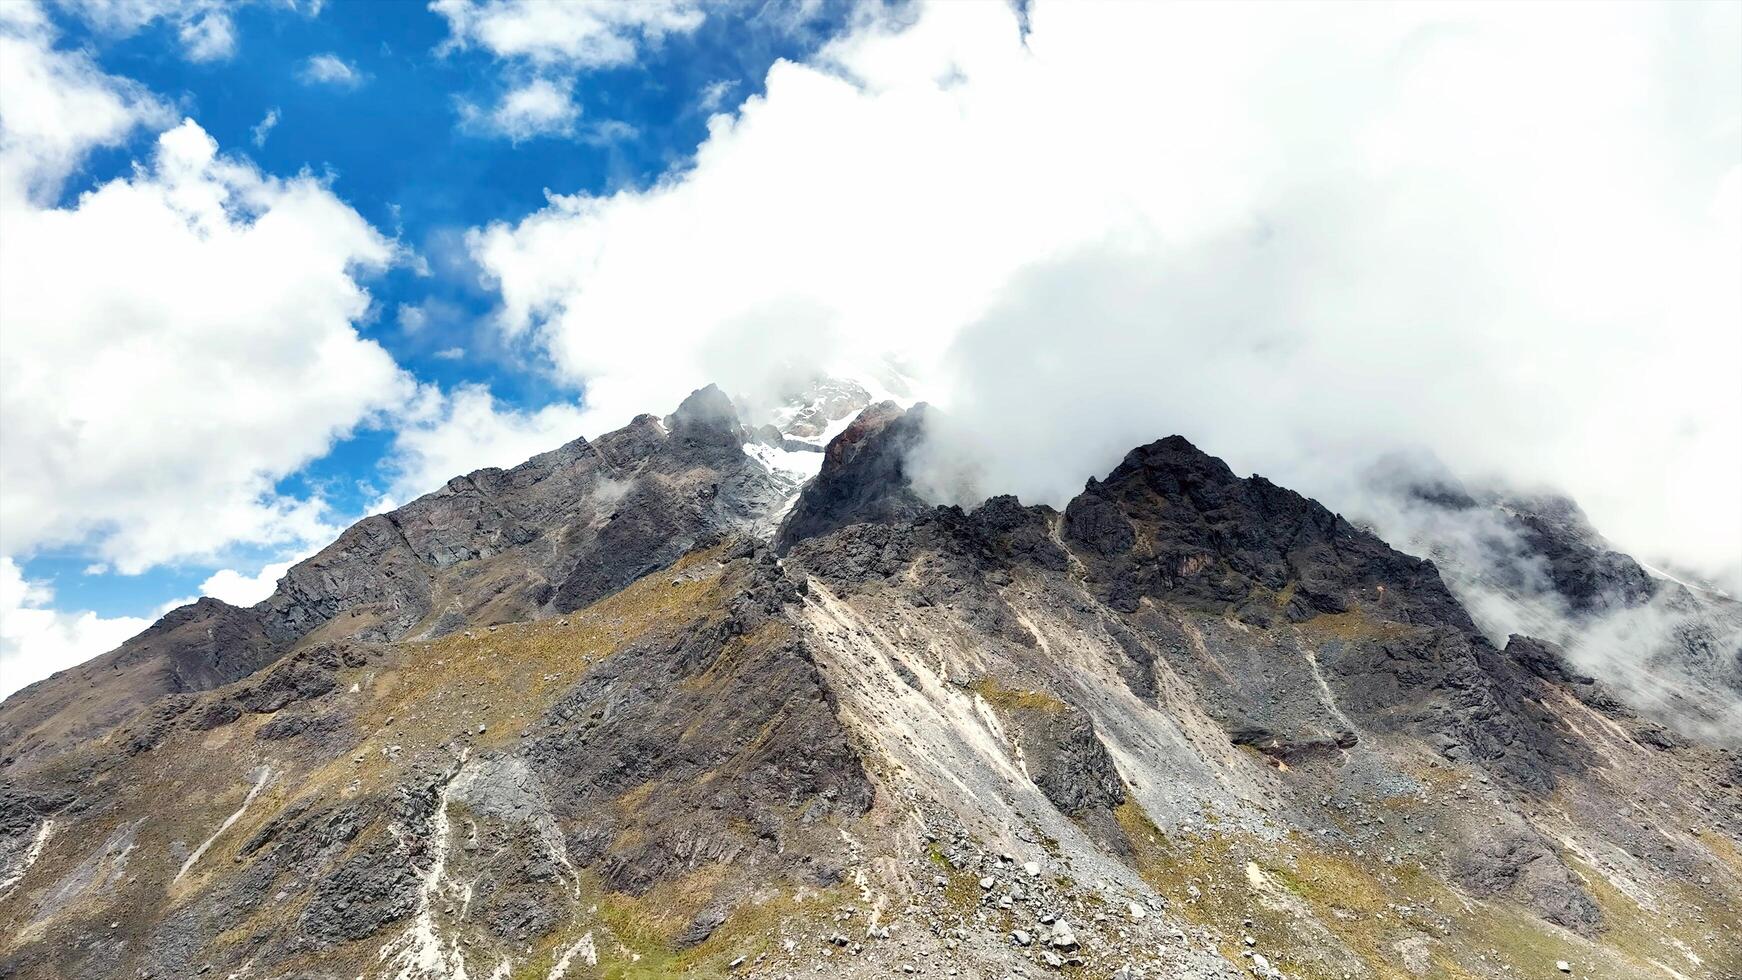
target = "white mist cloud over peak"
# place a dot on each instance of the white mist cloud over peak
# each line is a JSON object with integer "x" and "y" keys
{"x": 1300, "y": 235}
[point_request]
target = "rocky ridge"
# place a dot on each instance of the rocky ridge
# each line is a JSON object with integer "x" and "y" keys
{"x": 644, "y": 707}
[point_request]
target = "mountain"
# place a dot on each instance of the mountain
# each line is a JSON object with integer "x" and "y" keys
{"x": 722, "y": 695}
{"x": 1532, "y": 563}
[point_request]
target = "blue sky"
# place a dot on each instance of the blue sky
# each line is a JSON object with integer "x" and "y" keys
{"x": 392, "y": 144}
{"x": 268, "y": 266}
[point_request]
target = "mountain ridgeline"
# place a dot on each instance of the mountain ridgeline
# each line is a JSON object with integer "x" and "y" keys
{"x": 714, "y": 695}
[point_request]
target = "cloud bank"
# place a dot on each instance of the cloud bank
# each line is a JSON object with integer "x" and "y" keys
{"x": 37, "y": 639}
{"x": 442, "y": 436}
{"x": 174, "y": 342}
{"x": 1301, "y": 236}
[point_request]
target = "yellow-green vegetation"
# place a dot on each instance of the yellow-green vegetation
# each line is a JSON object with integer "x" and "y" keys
{"x": 1008, "y": 699}
{"x": 1352, "y": 626}
{"x": 1302, "y": 897}
{"x": 1644, "y": 935}
{"x": 648, "y": 925}
{"x": 1286, "y": 596}
{"x": 503, "y": 678}
{"x": 1724, "y": 851}
{"x": 962, "y": 891}
{"x": 1280, "y": 598}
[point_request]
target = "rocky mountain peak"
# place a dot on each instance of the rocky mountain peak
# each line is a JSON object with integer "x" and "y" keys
{"x": 707, "y": 406}
{"x": 578, "y": 718}
{"x": 863, "y": 476}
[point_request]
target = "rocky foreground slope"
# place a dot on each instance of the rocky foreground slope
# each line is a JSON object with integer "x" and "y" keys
{"x": 644, "y": 707}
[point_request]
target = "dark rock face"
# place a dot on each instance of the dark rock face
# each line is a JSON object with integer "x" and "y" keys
{"x": 1581, "y": 566}
{"x": 692, "y": 483}
{"x": 548, "y": 536}
{"x": 1400, "y": 651}
{"x": 656, "y": 760}
{"x": 1210, "y": 539}
{"x": 194, "y": 648}
{"x": 362, "y": 895}
{"x": 864, "y": 476}
{"x": 304, "y": 676}
{"x": 737, "y": 726}
{"x": 1067, "y": 761}
{"x": 1515, "y": 861}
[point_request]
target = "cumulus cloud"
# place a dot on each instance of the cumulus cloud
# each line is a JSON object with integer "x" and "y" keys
{"x": 36, "y": 640}
{"x": 575, "y": 34}
{"x": 56, "y": 106}
{"x": 174, "y": 342}
{"x": 442, "y": 436}
{"x": 209, "y": 36}
{"x": 540, "y": 107}
{"x": 240, "y": 588}
{"x": 1299, "y": 235}
{"x": 544, "y": 45}
{"x": 206, "y": 28}
{"x": 330, "y": 69}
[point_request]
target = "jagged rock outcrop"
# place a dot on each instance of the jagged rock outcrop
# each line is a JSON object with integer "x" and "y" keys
{"x": 1194, "y": 725}
{"x": 194, "y": 648}
{"x": 1531, "y": 563}
{"x": 545, "y": 537}
{"x": 863, "y": 478}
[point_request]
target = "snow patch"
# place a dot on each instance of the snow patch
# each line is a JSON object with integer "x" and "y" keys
{"x": 799, "y": 466}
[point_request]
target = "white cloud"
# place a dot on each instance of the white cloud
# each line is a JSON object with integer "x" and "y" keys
{"x": 575, "y": 34}
{"x": 544, "y": 45}
{"x": 330, "y": 69}
{"x": 541, "y": 107}
{"x": 264, "y": 127}
{"x": 174, "y": 345}
{"x": 174, "y": 342}
{"x": 37, "y": 640}
{"x": 206, "y": 28}
{"x": 411, "y": 318}
{"x": 241, "y": 589}
{"x": 714, "y": 94}
{"x": 56, "y": 106}
{"x": 444, "y": 436}
{"x": 208, "y": 36}
{"x": 1297, "y": 234}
